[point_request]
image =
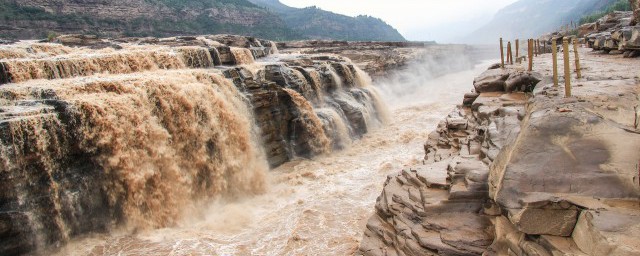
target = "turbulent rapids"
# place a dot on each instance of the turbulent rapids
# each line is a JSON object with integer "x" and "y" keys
{"x": 146, "y": 133}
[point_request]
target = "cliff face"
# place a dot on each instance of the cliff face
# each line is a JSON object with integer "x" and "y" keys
{"x": 509, "y": 174}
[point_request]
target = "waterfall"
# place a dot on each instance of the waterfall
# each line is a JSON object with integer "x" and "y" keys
{"x": 141, "y": 136}
{"x": 313, "y": 79}
{"x": 382, "y": 110}
{"x": 32, "y": 50}
{"x": 215, "y": 55}
{"x": 331, "y": 78}
{"x": 242, "y": 56}
{"x": 335, "y": 125}
{"x": 113, "y": 62}
{"x": 313, "y": 134}
{"x": 362, "y": 79}
{"x": 273, "y": 47}
{"x": 196, "y": 57}
{"x": 156, "y": 144}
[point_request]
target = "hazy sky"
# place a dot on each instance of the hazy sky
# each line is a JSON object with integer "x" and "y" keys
{"x": 441, "y": 20}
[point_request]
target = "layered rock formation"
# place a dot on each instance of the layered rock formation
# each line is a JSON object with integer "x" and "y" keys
{"x": 36, "y": 19}
{"x": 613, "y": 34}
{"x": 24, "y": 19}
{"x": 513, "y": 173}
{"x": 381, "y": 59}
{"x": 133, "y": 133}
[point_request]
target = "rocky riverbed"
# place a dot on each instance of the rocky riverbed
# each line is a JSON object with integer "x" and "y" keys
{"x": 521, "y": 170}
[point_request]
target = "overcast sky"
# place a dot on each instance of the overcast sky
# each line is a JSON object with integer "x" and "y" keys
{"x": 419, "y": 20}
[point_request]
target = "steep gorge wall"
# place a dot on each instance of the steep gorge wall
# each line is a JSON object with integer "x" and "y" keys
{"x": 139, "y": 135}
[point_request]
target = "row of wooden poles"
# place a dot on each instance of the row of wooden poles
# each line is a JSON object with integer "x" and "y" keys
{"x": 534, "y": 49}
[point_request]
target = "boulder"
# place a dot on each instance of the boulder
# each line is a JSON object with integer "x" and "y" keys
{"x": 607, "y": 233}
{"x": 469, "y": 98}
{"x": 545, "y": 218}
{"x": 633, "y": 42}
{"x": 522, "y": 81}
{"x": 493, "y": 80}
{"x": 494, "y": 66}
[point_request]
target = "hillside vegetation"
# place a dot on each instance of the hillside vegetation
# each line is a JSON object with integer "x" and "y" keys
{"x": 316, "y": 23}
{"x": 530, "y": 18}
{"x": 620, "y": 5}
{"x": 25, "y": 19}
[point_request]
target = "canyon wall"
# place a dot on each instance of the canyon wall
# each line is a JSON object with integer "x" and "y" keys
{"x": 518, "y": 169}
{"x": 134, "y": 134}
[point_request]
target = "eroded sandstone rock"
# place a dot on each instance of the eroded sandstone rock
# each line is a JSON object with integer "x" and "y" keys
{"x": 493, "y": 80}
{"x": 562, "y": 171}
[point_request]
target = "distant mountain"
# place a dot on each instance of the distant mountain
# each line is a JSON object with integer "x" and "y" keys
{"x": 37, "y": 18}
{"x": 315, "y": 23}
{"x": 530, "y": 18}
{"x": 25, "y": 19}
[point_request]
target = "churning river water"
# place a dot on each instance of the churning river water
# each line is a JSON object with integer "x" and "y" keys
{"x": 316, "y": 206}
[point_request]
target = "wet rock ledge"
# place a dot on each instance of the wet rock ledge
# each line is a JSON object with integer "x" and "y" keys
{"x": 521, "y": 170}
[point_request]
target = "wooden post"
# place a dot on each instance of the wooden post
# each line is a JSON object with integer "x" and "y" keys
{"x": 554, "y": 51}
{"x": 575, "y": 50}
{"x": 517, "y": 48}
{"x": 530, "y": 53}
{"x": 535, "y": 47}
{"x": 510, "y": 53}
{"x": 567, "y": 68}
{"x": 506, "y": 56}
{"x": 501, "y": 54}
{"x": 539, "y": 47}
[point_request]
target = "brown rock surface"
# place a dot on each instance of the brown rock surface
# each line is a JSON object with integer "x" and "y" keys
{"x": 380, "y": 59}
{"x": 562, "y": 178}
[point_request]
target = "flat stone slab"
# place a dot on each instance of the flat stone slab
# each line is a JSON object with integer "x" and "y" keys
{"x": 434, "y": 175}
{"x": 608, "y": 233}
